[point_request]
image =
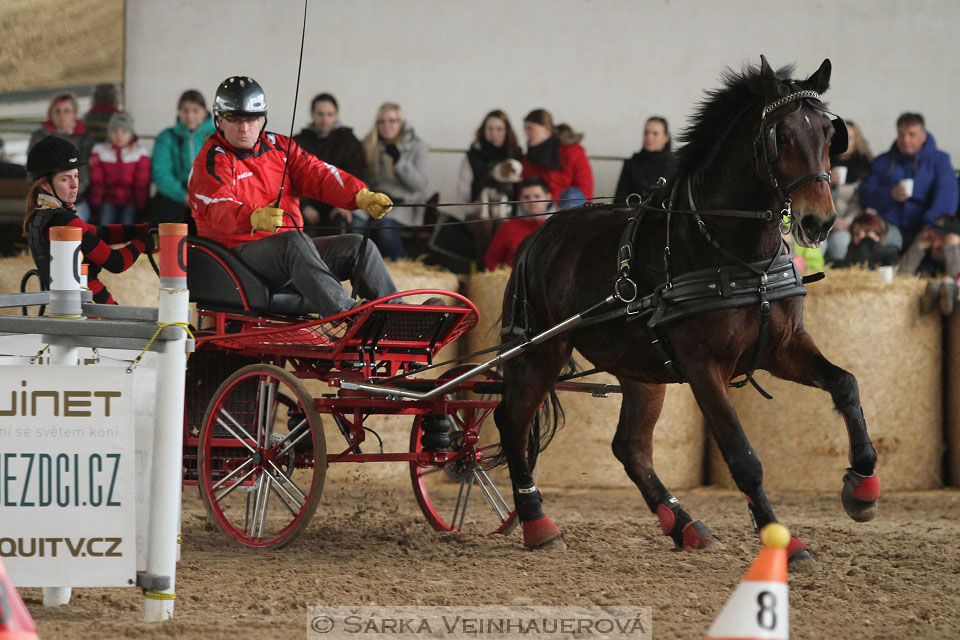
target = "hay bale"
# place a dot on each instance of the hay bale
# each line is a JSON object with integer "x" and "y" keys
{"x": 580, "y": 455}
{"x": 138, "y": 286}
{"x": 11, "y": 271}
{"x": 953, "y": 397}
{"x": 394, "y": 430}
{"x": 876, "y": 332}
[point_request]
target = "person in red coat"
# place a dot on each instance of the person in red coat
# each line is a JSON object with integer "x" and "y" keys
{"x": 556, "y": 155}
{"x": 234, "y": 189}
{"x": 119, "y": 173}
{"x": 535, "y": 195}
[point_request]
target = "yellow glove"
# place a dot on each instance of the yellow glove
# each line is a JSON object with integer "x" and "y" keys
{"x": 375, "y": 204}
{"x": 266, "y": 219}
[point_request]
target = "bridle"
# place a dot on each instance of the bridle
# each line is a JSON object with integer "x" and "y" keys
{"x": 766, "y": 151}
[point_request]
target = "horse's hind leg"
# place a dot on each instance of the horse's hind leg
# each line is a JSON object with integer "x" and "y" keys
{"x": 527, "y": 380}
{"x": 802, "y": 362}
{"x": 709, "y": 385}
{"x": 633, "y": 446}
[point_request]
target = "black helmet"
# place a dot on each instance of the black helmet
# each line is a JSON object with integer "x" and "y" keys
{"x": 240, "y": 95}
{"x": 50, "y": 155}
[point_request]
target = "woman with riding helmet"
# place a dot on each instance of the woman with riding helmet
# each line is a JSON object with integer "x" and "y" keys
{"x": 53, "y": 165}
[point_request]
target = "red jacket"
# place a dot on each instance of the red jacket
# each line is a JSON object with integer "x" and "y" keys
{"x": 227, "y": 185}
{"x": 119, "y": 176}
{"x": 508, "y": 237}
{"x": 573, "y": 171}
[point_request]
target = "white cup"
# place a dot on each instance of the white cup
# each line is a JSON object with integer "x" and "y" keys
{"x": 907, "y": 184}
{"x": 839, "y": 175}
{"x": 886, "y": 274}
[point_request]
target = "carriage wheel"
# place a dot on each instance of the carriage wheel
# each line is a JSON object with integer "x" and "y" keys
{"x": 262, "y": 457}
{"x": 465, "y": 494}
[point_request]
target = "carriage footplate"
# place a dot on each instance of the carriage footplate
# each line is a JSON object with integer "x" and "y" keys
{"x": 436, "y": 433}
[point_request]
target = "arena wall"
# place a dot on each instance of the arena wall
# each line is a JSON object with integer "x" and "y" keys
{"x": 602, "y": 66}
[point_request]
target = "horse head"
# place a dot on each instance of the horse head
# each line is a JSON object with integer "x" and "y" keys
{"x": 793, "y": 148}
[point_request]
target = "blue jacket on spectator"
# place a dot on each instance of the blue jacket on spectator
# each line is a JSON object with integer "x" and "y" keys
{"x": 173, "y": 155}
{"x": 935, "y": 189}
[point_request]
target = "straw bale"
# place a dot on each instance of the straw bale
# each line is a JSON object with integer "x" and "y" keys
{"x": 875, "y": 331}
{"x": 580, "y": 455}
{"x": 138, "y": 286}
{"x": 394, "y": 430}
{"x": 11, "y": 271}
{"x": 953, "y": 397}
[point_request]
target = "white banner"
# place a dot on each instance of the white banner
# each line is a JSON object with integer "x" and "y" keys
{"x": 67, "y": 490}
{"x": 144, "y": 392}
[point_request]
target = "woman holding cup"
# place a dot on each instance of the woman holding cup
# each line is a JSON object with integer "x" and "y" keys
{"x": 847, "y": 171}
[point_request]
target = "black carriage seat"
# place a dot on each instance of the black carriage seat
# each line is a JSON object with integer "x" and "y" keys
{"x": 220, "y": 281}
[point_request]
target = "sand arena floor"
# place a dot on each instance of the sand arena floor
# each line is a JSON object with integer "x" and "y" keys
{"x": 895, "y": 577}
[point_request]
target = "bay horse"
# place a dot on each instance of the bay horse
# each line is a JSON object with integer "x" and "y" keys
{"x": 756, "y": 154}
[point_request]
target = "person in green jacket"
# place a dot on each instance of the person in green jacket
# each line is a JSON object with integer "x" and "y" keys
{"x": 173, "y": 155}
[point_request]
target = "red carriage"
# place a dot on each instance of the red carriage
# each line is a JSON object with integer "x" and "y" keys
{"x": 254, "y": 435}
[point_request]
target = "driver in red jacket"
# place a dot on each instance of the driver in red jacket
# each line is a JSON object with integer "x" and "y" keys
{"x": 233, "y": 189}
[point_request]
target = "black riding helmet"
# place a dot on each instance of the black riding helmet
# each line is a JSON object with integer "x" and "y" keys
{"x": 50, "y": 155}
{"x": 240, "y": 95}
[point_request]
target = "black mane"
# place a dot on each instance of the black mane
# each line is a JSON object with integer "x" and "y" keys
{"x": 740, "y": 94}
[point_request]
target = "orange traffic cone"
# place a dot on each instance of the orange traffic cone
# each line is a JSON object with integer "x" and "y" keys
{"x": 15, "y": 620}
{"x": 758, "y": 609}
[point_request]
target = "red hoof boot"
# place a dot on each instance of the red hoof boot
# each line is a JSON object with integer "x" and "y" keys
{"x": 799, "y": 558}
{"x": 859, "y": 495}
{"x": 540, "y": 532}
{"x": 697, "y": 535}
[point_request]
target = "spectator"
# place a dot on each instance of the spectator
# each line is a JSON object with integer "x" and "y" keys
{"x": 53, "y": 167}
{"x": 328, "y": 139}
{"x": 847, "y": 173}
{"x": 242, "y": 213}
{"x": 106, "y": 102}
{"x": 173, "y": 153}
{"x": 867, "y": 244}
{"x": 486, "y": 177}
{"x": 535, "y": 194}
{"x": 650, "y": 163}
{"x": 555, "y": 154}
{"x": 62, "y": 121}
{"x": 936, "y": 250}
{"x": 931, "y": 192}
{"x": 397, "y": 166}
{"x": 119, "y": 173}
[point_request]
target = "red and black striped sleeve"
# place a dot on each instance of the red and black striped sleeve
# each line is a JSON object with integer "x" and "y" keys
{"x": 96, "y": 251}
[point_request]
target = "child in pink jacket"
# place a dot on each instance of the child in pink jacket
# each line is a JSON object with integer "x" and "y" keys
{"x": 119, "y": 173}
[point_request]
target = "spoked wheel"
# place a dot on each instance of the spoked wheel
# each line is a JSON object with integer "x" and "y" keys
{"x": 262, "y": 457}
{"x": 464, "y": 494}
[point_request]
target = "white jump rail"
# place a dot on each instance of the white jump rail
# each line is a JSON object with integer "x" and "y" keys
{"x": 68, "y": 327}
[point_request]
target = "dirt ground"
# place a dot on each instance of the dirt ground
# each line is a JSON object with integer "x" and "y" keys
{"x": 895, "y": 577}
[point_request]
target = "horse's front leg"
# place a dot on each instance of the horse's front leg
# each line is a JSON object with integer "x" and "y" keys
{"x": 801, "y": 361}
{"x": 709, "y": 385}
{"x": 633, "y": 446}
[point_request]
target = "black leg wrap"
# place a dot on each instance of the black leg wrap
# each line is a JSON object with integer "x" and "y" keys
{"x": 528, "y": 502}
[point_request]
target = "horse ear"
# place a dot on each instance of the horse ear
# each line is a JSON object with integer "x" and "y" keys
{"x": 820, "y": 80}
{"x": 769, "y": 81}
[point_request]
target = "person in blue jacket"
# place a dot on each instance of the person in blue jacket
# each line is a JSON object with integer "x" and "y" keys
{"x": 913, "y": 156}
{"x": 173, "y": 155}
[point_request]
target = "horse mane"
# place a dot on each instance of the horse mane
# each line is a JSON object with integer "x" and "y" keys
{"x": 717, "y": 114}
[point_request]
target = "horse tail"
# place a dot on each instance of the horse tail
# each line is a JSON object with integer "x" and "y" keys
{"x": 548, "y": 419}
